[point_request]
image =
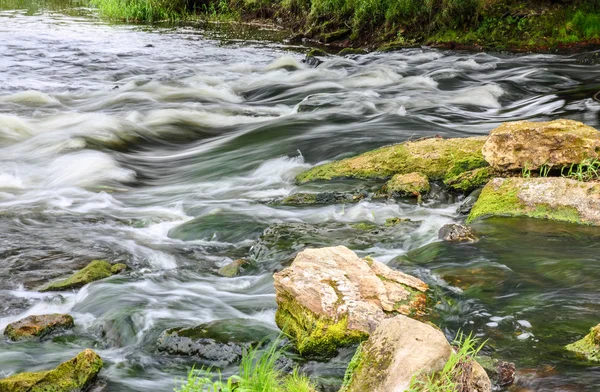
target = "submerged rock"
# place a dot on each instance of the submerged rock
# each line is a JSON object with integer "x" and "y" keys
{"x": 281, "y": 242}
{"x": 589, "y": 346}
{"x": 531, "y": 145}
{"x": 38, "y": 326}
{"x": 402, "y": 350}
{"x": 234, "y": 268}
{"x": 436, "y": 158}
{"x": 218, "y": 343}
{"x": 96, "y": 270}
{"x": 411, "y": 184}
{"x": 467, "y": 205}
{"x": 330, "y": 297}
{"x": 299, "y": 199}
{"x": 500, "y": 373}
{"x": 456, "y": 233}
{"x": 74, "y": 375}
{"x": 554, "y": 198}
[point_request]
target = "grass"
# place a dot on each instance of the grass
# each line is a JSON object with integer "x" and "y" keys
{"x": 258, "y": 372}
{"x": 587, "y": 170}
{"x": 449, "y": 379}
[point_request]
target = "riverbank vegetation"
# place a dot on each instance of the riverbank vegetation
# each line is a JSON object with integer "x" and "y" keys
{"x": 258, "y": 372}
{"x": 498, "y": 24}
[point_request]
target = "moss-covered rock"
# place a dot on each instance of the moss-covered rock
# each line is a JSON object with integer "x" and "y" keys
{"x": 411, "y": 184}
{"x": 335, "y": 35}
{"x": 96, "y": 270}
{"x": 234, "y": 268}
{"x": 303, "y": 198}
{"x": 38, "y": 326}
{"x": 74, "y": 375}
{"x": 436, "y": 158}
{"x": 470, "y": 180}
{"x": 399, "y": 349}
{"x": 351, "y": 51}
{"x": 330, "y": 298}
{"x": 531, "y": 145}
{"x": 553, "y": 198}
{"x": 589, "y": 346}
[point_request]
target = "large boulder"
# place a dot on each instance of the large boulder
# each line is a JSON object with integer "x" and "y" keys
{"x": 399, "y": 349}
{"x": 436, "y": 158}
{"x": 38, "y": 326}
{"x": 588, "y": 346}
{"x": 402, "y": 350}
{"x": 74, "y": 375}
{"x": 554, "y": 198}
{"x": 531, "y": 145}
{"x": 217, "y": 343}
{"x": 330, "y": 297}
{"x": 96, "y": 270}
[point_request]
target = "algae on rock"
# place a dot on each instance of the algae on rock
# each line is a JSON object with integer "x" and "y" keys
{"x": 589, "y": 346}
{"x": 330, "y": 298}
{"x": 96, "y": 270}
{"x": 411, "y": 184}
{"x": 554, "y": 198}
{"x": 74, "y": 375}
{"x": 436, "y": 158}
{"x": 38, "y": 326}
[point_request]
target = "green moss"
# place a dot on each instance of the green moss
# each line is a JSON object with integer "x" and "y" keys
{"x": 96, "y": 270}
{"x": 434, "y": 157}
{"x": 589, "y": 346}
{"x": 356, "y": 360}
{"x": 350, "y": 51}
{"x": 118, "y": 268}
{"x": 316, "y": 52}
{"x": 314, "y": 337}
{"x": 73, "y": 375}
{"x": 412, "y": 184}
{"x": 504, "y": 201}
{"x": 470, "y": 180}
{"x": 335, "y": 35}
{"x": 391, "y": 222}
{"x": 364, "y": 226}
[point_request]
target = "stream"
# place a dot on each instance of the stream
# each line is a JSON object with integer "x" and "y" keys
{"x": 164, "y": 147}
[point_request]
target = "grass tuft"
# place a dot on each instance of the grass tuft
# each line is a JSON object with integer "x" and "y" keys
{"x": 258, "y": 372}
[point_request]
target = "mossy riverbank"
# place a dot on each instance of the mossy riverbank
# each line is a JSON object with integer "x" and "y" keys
{"x": 547, "y": 25}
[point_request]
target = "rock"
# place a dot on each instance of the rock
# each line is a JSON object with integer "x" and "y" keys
{"x": 456, "y": 233}
{"x": 467, "y": 205}
{"x": 399, "y": 349}
{"x": 525, "y": 144}
{"x": 589, "y": 346}
{"x": 74, "y": 375}
{"x": 281, "y": 242}
{"x": 351, "y": 51}
{"x": 500, "y": 373}
{"x": 411, "y": 184}
{"x": 470, "y": 180}
{"x": 234, "y": 268}
{"x": 335, "y": 35}
{"x": 96, "y": 270}
{"x": 218, "y": 343}
{"x": 330, "y": 297}
{"x": 38, "y": 326}
{"x": 402, "y": 351}
{"x": 298, "y": 199}
{"x": 554, "y": 198}
{"x": 435, "y": 158}
{"x": 222, "y": 226}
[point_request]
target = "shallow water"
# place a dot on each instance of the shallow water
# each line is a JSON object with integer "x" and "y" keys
{"x": 113, "y": 135}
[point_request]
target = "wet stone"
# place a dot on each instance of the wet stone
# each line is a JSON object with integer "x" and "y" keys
{"x": 38, "y": 326}
{"x": 298, "y": 199}
{"x": 457, "y": 233}
{"x": 217, "y": 343}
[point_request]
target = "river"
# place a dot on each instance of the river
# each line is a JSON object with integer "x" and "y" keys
{"x": 111, "y": 136}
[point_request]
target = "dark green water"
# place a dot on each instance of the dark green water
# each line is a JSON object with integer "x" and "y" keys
{"x": 161, "y": 147}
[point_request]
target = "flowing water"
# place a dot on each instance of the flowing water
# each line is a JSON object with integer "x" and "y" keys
{"x": 112, "y": 136}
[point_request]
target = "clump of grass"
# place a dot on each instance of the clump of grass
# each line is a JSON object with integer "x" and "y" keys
{"x": 141, "y": 10}
{"x": 257, "y": 373}
{"x": 587, "y": 170}
{"x": 451, "y": 377}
